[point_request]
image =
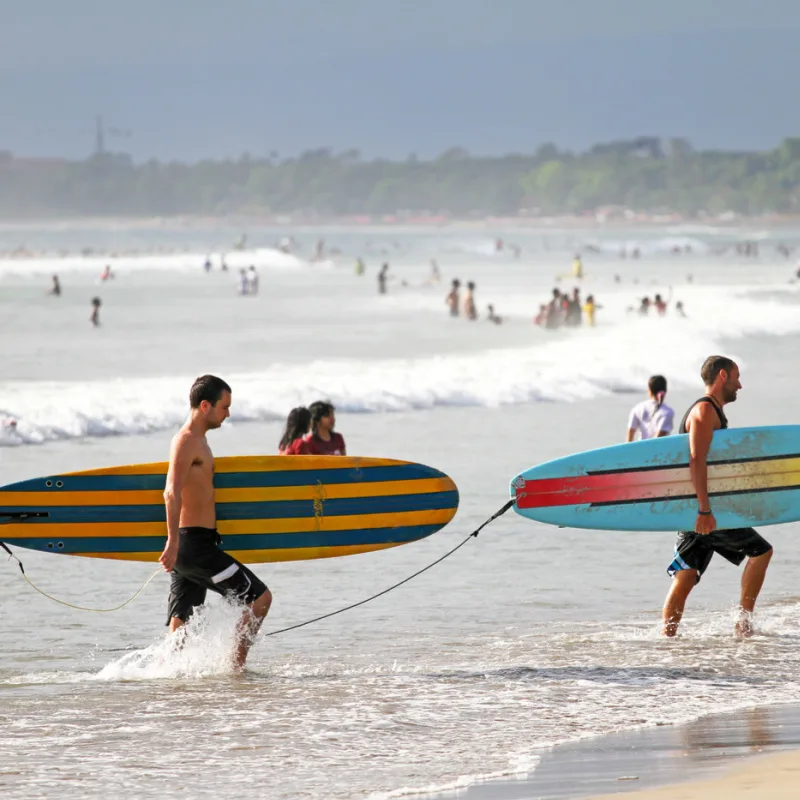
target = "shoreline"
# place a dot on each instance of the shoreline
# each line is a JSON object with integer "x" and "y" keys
{"x": 651, "y": 763}
{"x": 396, "y": 223}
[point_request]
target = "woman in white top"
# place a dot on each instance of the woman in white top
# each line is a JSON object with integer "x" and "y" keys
{"x": 652, "y": 418}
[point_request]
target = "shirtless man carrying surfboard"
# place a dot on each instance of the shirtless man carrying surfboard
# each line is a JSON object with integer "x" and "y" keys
{"x": 192, "y": 552}
{"x": 694, "y": 549}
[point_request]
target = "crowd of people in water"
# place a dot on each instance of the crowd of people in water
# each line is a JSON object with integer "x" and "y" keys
{"x": 564, "y": 309}
{"x": 466, "y": 305}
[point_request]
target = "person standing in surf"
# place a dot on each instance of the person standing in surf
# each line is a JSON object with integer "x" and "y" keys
{"x": 323, "y": 440}
{"x": 192, "y": 553}
{"x": 292, "y": 441}
{"x": 694, "y": 549}
{"x": 652, "y": 417}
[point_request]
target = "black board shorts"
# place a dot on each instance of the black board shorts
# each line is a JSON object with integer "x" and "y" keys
{"x": 203, "y": 565}
{"x": 694, "y": 550}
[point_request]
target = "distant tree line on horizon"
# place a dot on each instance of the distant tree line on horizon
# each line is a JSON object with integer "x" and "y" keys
{"x": 646, "y": 174}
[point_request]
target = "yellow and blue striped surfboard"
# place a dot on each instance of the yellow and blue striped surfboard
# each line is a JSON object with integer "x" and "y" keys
{"x": 269, "y": 508}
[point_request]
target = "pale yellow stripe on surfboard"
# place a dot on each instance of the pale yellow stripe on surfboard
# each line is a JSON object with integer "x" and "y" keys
{"x": 121, "y": 530}
{"x": 255, "y": 464}
{"x": 264, "y": 556}
{"x": 775, "y": 466}
{"x": 259, "y": 494}
{"x": 725, "y": 479}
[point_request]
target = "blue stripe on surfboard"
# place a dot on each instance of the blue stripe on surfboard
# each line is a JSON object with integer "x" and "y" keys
{"x": 229, "y": 480}
{"x": 274, "y": 509}
{"x": 254, "y": 541}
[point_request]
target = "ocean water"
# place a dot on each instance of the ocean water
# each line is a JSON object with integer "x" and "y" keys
{"x": 527, "y": 637}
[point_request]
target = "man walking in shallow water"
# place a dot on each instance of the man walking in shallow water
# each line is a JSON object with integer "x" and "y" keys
{"x": 694, "y": 549}
{"x": 192, "y": 553}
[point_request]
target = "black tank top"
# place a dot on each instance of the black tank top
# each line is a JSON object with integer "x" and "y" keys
{"x": 723, "y": 420}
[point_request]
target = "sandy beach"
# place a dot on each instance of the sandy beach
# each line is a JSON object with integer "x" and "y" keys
{"x": 774, "y": 778}
{"x": 746, "y": 754}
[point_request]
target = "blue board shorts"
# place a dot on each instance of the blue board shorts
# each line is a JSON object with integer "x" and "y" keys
{"x": 694, "y": 550}
{"x": 202, "y": 565}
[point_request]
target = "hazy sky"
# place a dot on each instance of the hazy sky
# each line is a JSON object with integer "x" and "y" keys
{"x": 203, "y": 78}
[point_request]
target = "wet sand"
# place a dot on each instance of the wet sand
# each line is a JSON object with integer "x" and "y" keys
{"x": 713, "y": 757}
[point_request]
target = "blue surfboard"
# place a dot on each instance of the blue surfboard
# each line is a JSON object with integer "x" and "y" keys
{"x": 753, "y": 479}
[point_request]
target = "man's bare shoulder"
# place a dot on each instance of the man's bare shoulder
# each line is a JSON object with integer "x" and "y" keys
{"x": 187, "y": 442}
{"x": 704, "y": 415}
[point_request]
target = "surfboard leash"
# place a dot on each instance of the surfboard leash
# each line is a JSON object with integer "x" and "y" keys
{"x": 498, "y": 513}
{"x": 70, "y": 605}
{"x": 473, "y": 535}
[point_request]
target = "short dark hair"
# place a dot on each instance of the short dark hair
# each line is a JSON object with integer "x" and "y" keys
{"x": 713, "y": 365}
{"x": 207, "y": 387}
{"x": 656, "y": 384}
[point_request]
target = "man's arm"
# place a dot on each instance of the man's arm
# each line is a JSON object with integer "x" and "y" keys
{"x": 180, "y": 462}
{"x": 701, "y": 430}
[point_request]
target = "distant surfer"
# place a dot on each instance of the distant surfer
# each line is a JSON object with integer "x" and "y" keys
{"x": 297, "y": 424}
{"x": 694, "y": 549}
{"x": 652, "y": 417}
{"x": 577, "y": 267}
{"x": 192, "y": 553}
{"x": 56, "y": 288}
{"x": 323, "y": 440}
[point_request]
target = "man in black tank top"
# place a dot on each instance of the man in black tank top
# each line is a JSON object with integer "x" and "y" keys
{"x": 694, "y": 549}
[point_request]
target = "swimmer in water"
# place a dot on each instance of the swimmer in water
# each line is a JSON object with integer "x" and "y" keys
{"x": 95, "y": 317}
{"x": 590, "y": 309}
{"x": 470, "y": 311}
{"x": 451, "y": 301}
{"x": 383, "y": 276}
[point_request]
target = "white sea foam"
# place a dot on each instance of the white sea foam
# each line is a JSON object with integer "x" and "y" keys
{"x": 204, "y": 647}
{"x": 261, "y": 258}
{"x": 568, "y": 366}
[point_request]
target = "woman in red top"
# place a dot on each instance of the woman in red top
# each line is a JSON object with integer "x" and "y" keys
{"x": 297, "y": 425}
{"x": 323, "y": 441}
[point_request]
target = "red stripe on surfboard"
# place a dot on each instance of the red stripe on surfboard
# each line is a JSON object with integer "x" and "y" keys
{"x": 607, "y": 488}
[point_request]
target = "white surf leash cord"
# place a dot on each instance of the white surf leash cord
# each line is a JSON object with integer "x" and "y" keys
{"x": 70, "y": 605}
{"x": 439, "y": 560}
